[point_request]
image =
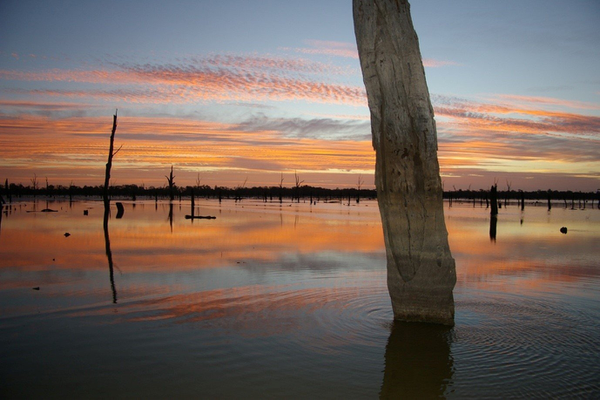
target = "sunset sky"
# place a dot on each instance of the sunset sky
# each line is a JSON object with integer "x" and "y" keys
{"x": 231, "y": 90}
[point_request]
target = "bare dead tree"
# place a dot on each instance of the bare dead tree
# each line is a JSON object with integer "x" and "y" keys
{"x": 238, "y": 196}
{"x": 298, "y": 184}
{"x": 34, "y": 184}
{"x": 360, "y": 183}
{"x": 171, "y": 182}
{"x": 111, "y": 154}
{"x": 281, "y": 189}
{"x": 508, "y": 185}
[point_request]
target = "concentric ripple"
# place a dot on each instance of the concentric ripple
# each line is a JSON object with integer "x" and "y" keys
{"x": 526, "y": 347}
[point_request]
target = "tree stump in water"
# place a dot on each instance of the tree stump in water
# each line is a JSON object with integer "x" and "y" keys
{"x": 421, "y": 270}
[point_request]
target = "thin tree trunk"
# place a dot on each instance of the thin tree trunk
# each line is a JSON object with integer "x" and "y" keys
{"x": 109, "y": 162}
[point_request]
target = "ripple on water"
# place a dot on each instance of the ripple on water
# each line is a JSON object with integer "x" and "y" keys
{"x": 522, "y": 347}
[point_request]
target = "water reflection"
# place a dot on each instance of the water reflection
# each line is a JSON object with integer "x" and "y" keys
{"x": 493, "y": 227}
{"x": 109, "y": 251}
{"x": 418, "y": 362}
{"x": 264, "y": 284}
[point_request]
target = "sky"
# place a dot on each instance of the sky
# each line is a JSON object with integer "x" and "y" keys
{"x": 236, "y": 92}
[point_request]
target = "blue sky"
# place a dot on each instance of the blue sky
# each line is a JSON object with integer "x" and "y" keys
{"x": 228, "y": 90}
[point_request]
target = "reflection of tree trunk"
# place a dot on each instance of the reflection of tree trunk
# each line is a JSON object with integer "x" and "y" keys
{"x": 109, "y": 252}
{"x": 120, "y": 210}
{"x": 171, "y": 216}
{"x": 418, "y": 363}
{"x": 493, "y": 225}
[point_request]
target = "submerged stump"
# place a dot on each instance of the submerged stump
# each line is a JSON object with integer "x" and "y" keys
{"x": 421, "y": 270}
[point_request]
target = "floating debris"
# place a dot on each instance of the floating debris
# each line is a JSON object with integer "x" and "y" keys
{"x": 563, "y": 230}
{"x": 200, "y": 217}
{"x": 36, "y": 288}
{"x": 49, "y": 210}
{"x": 67, "y": 234}
{"x": 120, "y": 210}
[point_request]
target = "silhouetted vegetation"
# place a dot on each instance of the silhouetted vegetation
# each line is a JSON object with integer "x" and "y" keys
{"x": 481, "y": 198}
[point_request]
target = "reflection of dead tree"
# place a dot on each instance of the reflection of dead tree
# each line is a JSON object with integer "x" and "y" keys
{"x": 493, "y": 227}
{"x": 522, "y": 200}
{"x": 298, "y": 184}
{"x": 171, "y": 182}
{"x": 171, "y": 216}
{"x": 111, "y": 154}
{"x": 109, "y": 253}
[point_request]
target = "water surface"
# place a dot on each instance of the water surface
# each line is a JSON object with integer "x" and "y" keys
{"x": 289, "y": 301}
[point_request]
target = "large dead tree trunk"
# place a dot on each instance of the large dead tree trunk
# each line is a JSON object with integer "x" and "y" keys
{"x": 421, "y": 270}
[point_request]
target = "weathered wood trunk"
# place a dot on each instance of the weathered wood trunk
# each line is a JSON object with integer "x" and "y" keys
{"x": 421, "y": 270}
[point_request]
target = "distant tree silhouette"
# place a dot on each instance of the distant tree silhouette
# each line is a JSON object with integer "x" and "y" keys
{"x": 171, "y": 182}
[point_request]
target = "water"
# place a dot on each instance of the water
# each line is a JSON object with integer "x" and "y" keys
{"x": 270, "y": 301}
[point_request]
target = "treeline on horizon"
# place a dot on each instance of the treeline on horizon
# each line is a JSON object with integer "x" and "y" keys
{"x": 271, "y": 193}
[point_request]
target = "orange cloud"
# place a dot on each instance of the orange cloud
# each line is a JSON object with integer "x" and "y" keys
{"x": 153, "y": 143}
{"x": 218, "y": 78}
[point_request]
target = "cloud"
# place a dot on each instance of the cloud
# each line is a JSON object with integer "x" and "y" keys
{"x": 151, "y": 143}
{"x": 316, "y": 128}
{"x": 431, "y": 63}
{"x": 349, "y": 50}
{"x": 221, "y": 78}
{"x": 512, "y": 118}
{"x": 329, "y": 48}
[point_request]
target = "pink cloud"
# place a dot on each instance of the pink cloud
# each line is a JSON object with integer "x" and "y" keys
{"x": 218, "y": 78}
{"x": 431, "y": 63}
{"x": 349, "y": 50}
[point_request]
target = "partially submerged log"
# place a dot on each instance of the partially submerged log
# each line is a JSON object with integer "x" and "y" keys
{"x": 200, "y": 217}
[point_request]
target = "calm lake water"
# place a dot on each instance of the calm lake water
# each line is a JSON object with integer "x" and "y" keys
{"x": 270, "y": 301}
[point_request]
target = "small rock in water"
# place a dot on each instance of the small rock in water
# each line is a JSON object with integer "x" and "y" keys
{"x": 85, "y": 212}
{"x": 563, "y": 230}
{"x": 67, "y": 234}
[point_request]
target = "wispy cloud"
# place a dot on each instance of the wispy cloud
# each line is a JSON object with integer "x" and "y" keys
{"x": 328, "y": 48}
{"x": 219, "y": 78}
{"x": 432, "y": 63}
{"x": 315, "y": 128}
{"x": 349, "y": 50}
{"x": 512, "y": 118}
